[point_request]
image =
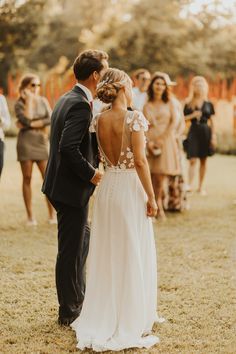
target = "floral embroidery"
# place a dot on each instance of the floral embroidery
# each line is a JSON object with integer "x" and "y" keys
{"x": 138, "y": 123}
{"x": 129, "y": 155}
{"x": 136, "y": 126}
{"x": 129, "y": 160}
{"x": 93, "y": 124}
{"x": 122, "y": 166}
{"x": 135, "y": 121}
{"x": 129, "y": 119}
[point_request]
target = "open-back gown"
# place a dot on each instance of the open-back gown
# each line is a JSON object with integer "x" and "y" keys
{"x": 119, "y": 308}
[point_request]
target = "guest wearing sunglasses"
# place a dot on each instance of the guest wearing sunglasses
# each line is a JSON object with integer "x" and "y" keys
{"x": 141, "y": 79}
{"x": 33, "y": 114}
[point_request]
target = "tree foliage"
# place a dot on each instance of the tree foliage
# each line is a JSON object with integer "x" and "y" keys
{"x": 159, "y": 35}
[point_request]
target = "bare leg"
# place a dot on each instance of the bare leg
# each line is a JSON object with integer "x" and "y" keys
{"x": 42, "y": 168}
{"x": 158, "y": 186}
{"x": 202, "y": 172}
{"x": 155, "y": 184}
{"x": 192, "y": 167}
{"x": 162, "y": 180}
{"x": 26, "y": 168}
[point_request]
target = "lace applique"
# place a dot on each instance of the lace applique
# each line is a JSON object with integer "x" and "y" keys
{"x": 137, "y": 122}
{"x": 127, "y": 159}
{"x": 93, "y": 124}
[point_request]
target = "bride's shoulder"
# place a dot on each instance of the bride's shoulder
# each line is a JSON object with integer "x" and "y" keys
{"x": 137, "y": 121}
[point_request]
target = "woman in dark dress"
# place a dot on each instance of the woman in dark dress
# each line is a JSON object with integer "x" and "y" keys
{"x": 201, "y": 137}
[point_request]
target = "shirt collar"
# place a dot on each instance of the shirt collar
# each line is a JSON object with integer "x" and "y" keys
{"x": 136, "y": 90}
{"x": 86, "y": 91}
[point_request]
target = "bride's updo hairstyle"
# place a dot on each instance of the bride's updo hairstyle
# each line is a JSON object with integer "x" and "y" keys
{"x": 112, "y": 81}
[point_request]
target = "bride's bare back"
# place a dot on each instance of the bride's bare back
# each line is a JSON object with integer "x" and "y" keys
{"x": 114, "y": 129}
{"x": 110, "y": 130}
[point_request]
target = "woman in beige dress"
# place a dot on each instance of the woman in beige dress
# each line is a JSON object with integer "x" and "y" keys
{"x": 33, "y": 115}
{"x": 160, "y": 111}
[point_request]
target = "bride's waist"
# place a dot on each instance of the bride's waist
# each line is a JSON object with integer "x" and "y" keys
{"x": 114, "y": 169}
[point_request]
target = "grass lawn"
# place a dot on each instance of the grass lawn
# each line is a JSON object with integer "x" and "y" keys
{"x": 196, "y": 265}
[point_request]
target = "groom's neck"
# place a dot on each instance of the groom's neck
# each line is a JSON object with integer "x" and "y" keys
{"x": 89, "y": 85}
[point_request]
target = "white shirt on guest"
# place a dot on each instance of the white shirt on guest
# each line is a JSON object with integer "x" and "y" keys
{"x": 139, "y": 99}
{"x": 98, "y": 106}
{"x": 5, "y": 119}
{"x": 86, "y": 91}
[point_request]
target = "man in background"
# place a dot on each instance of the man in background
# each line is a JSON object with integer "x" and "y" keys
{"x": 141, "y": 79}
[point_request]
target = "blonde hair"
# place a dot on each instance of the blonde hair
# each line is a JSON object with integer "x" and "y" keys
{"x": 193, "y": 82}
{"x": 112, "y": 81}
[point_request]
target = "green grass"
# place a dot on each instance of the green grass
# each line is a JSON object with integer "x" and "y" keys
{"x": 196, "y": 265}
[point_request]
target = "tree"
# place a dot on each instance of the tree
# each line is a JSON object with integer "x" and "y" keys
{"x": 163, "y": 35}
{"x": 159, "y": 35}
{"x": 18, "y": 30}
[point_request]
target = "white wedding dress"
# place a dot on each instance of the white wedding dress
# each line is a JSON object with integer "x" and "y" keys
{"x": 119, "y": 308}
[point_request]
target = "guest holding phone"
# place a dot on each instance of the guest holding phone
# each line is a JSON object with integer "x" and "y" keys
{"x": 33, "y": 114}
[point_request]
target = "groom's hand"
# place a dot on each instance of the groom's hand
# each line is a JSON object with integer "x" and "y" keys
{"x": 97, "y": 178}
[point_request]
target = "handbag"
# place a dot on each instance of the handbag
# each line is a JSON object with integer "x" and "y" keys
{"x": 156, "y": 151}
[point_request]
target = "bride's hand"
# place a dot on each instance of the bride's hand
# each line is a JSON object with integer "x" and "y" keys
{"x": 151, "y": 207}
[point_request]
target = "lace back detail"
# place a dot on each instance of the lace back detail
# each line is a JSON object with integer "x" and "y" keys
{"x": 137, "y": 122}
{"x": 134, "y": 122}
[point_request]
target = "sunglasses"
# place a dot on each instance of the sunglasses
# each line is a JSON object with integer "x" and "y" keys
{"x": 35, "y": 85}
{"x": 144, "y": 79}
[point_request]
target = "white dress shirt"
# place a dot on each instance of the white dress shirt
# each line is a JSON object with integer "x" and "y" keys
{"x": 86, "y": 91}
{"x": 139, "y": 99}
{"x": 5, "y": 119}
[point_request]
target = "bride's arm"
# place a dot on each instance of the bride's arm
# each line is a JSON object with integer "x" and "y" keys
{"x": 142, "y": 168}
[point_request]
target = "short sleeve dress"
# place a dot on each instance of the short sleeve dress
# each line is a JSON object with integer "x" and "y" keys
{"x": 121, "y": 263}
{"x": 199, "y": 135}
{"x": 164, "y": 121}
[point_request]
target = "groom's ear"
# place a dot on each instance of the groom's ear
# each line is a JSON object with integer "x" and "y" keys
{"x": 96, "y": 76}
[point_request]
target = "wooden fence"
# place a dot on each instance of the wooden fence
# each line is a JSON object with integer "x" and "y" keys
{"x": 221, "y": 92}
{"x": 54, "y": 85}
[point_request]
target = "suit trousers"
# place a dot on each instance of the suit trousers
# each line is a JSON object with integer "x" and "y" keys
{"x": 73, "y": 245}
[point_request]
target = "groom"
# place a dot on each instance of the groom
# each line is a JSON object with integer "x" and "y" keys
{"x": 70, "y": 179}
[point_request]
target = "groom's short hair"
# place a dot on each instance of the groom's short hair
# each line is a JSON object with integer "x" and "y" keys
{"x": 87, "y": 62}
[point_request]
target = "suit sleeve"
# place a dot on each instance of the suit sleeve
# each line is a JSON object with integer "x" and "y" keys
{"x": 76, "y": 126}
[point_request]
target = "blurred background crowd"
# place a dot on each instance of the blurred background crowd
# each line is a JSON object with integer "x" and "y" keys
{"x": 179, "y": 54}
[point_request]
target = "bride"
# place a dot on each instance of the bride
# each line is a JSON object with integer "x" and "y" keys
{"x": 119, "y": 308}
